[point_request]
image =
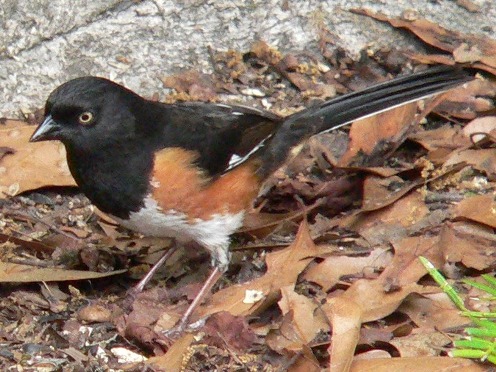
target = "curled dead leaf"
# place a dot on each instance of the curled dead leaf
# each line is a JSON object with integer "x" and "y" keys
{"x": 30, "y": 165}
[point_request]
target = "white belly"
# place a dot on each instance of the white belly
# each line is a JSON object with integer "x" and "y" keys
{"x": 213, "y": 234}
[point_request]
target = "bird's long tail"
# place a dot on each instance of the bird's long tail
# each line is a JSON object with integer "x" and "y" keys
{"x": 342, "y": 110}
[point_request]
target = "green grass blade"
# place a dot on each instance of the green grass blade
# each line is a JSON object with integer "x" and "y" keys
{"x": 441, "y": 281}
{"x": 483, "y": 287}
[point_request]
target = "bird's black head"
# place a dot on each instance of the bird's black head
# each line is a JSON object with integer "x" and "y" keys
{"x": 88, "y": 112}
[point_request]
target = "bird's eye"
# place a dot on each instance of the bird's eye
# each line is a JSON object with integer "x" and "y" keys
{"x": 85, "y": 118}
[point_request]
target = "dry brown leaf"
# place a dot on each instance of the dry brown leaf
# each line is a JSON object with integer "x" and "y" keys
{"x": 371, "y": 333}
{"x": 306, "y": 362}
{"x": 174, "y": 359}
{"x": 481, "y": 159}
{"x": 480, "y": 208}
{"x": 191, "y": 85}
{"x": 328, "y": 272}
{"x": 32, "y": 165}
{"x": 375, "y": 300}
{"x": 369, "y": 300}
{"x": 420, "y": 364}
{"x": 427, "y": 59}
{"x": 368, "y": 133}
{"x": 421, "y": 343}
{"x": 32, "y": 245}
{"x": 224, "y": 329}
{"x": 444, "y": 138}
{"x": 472, "y": 244}
{"x": 389, "y": 223}
{"x": 464, "y": 47}
{"x": 364, "y": 301}
{"x": 283, "y": 268}
{"x": 479, "y": 128}
{"x": 380, "y": 192}
{"x": 466, "y": 101}
{"x": 287, "y": 338}
{"x": 433, "y": 311}
{"x": 385, "y": 171}
{"x": 372, "y": 354}
{"x": 304, "y": 322}
{"x": 345, "y": 316}
{"x": 261, "y": 224}
{"x": 17, "y": 273}
{"x": 406, "y": 268}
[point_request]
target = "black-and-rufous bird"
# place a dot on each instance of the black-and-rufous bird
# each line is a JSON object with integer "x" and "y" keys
{"x": 189, "y": 171}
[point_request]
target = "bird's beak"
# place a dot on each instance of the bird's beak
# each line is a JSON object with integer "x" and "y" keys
{"x": 46, "y": 131}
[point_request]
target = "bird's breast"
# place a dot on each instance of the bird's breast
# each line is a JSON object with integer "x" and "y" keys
{"x": 179, "y": 185}
{"x": 187, "y": 205}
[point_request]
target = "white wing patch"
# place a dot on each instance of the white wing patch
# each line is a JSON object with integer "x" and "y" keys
{"x": 236, "y": 160}
{"x": 249, "y": 110}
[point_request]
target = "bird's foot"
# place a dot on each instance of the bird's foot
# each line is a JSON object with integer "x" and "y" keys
{"x": 182, "y": 327}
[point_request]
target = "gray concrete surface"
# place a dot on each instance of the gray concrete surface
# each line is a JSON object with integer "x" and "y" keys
{"x": 46, "y": 42}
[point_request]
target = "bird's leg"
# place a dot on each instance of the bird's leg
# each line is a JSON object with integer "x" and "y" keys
{"x": 138, "y": 288}
{"x": 220, "y": 261}
{"x": 204, "y": 291}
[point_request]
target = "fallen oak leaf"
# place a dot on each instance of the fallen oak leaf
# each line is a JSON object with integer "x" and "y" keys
{"x": 283, "y": 269}
{"x": 470, "y": 243}
{"x": 223, "y": 329}
{"x": 429, "y": 59}
{"x": 379, "y": 192}
{"x": 432, "y": 310}
{"x": 346, "y": 319}
{"x": 465, "y": 47}
{"x": 481, "y": 159}
{"x": 479, "y": 208}
{"x": 32, "y": 165}
{"x": 389, "y": 223}
{"x": 480, "y": 128}
{"x": 469, "y": 100}
{"x": 422, "y": 342}
{"x": 418, "y": 364}
{"x": 406, "y": 268}
{"x": 176, "y": 357}
{"x": 303, "y": 321}
{"x": 363, "y": 301}
{"x": 328, "y": 272}
{"x": 196, "y": 86}
{"x": 260, "y": 224}
{"x": 370, "y": 300}
{"x": 370, "y": 134}
{"x": 444, "y": 139}
{"x": 305, "y": 362}
{"x": 30, "y": 244}
{"x": 17, "y": 273}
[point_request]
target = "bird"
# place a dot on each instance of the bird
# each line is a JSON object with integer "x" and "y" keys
{"x": 190, "y": 170}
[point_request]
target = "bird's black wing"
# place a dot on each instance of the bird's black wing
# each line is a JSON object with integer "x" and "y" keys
{"x": 222, "y": 135}
{"x": 225, "y": 136}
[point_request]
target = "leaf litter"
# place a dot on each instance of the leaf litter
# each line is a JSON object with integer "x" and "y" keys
{"x": 325, "y": 272}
